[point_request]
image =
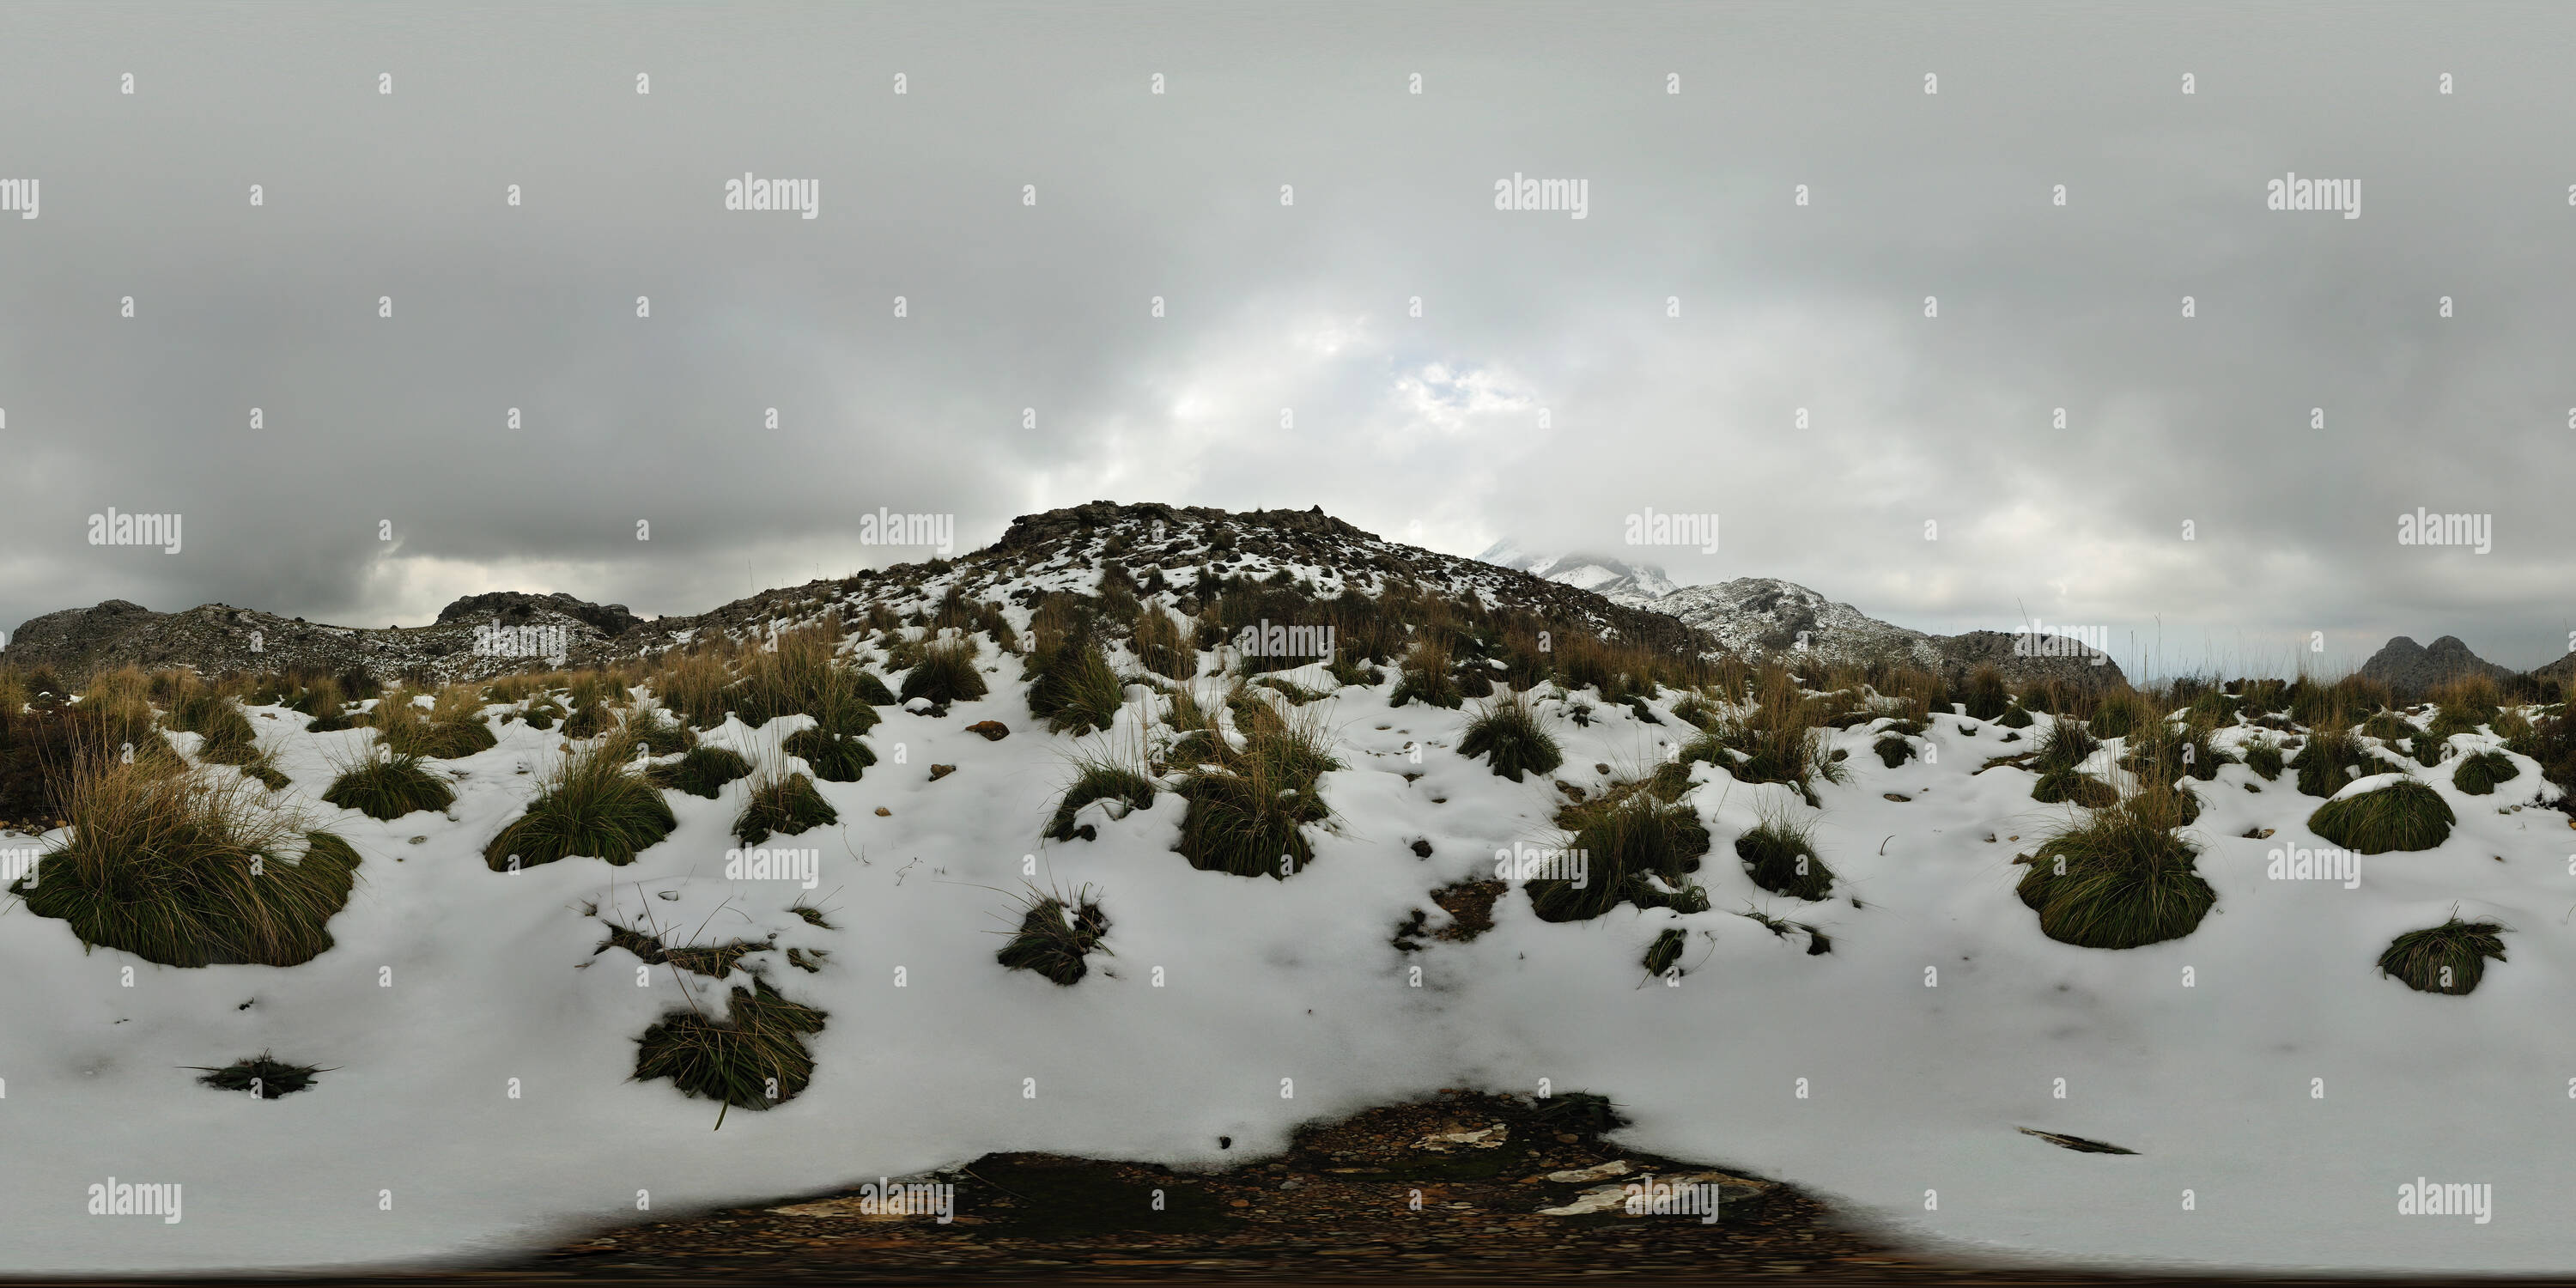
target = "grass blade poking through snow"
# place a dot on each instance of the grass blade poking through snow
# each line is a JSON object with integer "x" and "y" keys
{"x": 591, "y": 803}
{"x": 1508, "y": 734}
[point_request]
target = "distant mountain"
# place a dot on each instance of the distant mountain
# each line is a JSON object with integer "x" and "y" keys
{"x": 1765, "y": 617}
{"x": 1616, "y": 580}
{"x": 2411, "y": 668}
{"x": 218, "y": 638}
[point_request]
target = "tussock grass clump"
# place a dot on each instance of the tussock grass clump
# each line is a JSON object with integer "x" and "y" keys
{"x": 2015, "y": 718}
{"x": 693, "y": 684}
{"x": 1425, "y": 678}
{"x": 945, "y": 673}
{"x": 2477, "y": 775}
{"x": 2464, "y": 704}
{"x": 2387, "y": 726}
{"x": 1160, "y": 647}
{"x": 1892, "y": 750}
{"x": 1666, "y": 952}
{"x": 1056, "y": 932}
{"x": 2065, "y": 744}
{"x": 656, "y": 731}
{"x": 228, "y": 733}
{"x": 1076, "y": 690}
{"x": 1624, "y": 840}
{"x": 1098, "y": 779}
{"x": 188, "y": 868}
{"x": 452, "y": 728}
{"x": 2121, "y": 878}
{"x": 2166, "y": 751}
{"x": 834, "y": 757}
{"x": 2404, "y": 815}
{"x": 783, "y": 804}
{"x": 752, "y": 1059}
{"x": 703, "y": 771}
{"x": 2317, "y": 702}
{"x": 2121, "y": 711}
{"x": 591, "y": 803}
{"x": 1249, "y": 806}
{"x": 2326, "y": 762}
{"x": 1779, "y": 854}
{"x": 1508, "y": 734}
{"x": 2069, "y": 786}
{"x": 2263, "y": 756}
{"x": 387, "y": 784}
{"x": 1779, "y": 737}
{"x": 263, "y": 1075}
{"x": 1986, "y": 697}
{"x": 2448, "y": 958}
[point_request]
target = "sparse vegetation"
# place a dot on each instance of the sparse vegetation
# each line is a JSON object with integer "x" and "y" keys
{"x": 702, "y": 771}
{"x": 754, "y": 1058}
{"x": 263, "y": 1075}
{"x": 1425, "y": 677}
{"x": 1098, "y": 779}
{"x": 1055, "y": 933}
{"x": 1779, "y": 854}
{"x": 1625, "y": 839}
{"x": 1249, "y": 806}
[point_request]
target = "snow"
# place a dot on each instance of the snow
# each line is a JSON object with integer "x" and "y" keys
{"x": 1280, "y": 1002}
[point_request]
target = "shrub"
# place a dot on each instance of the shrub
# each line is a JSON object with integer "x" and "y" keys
{"x": 2478, "y": 774}
{"x": 787, "y": 805}
{"x": 946, "y": 673}
{"x": 1098, "y": 780}
{"x": 1508, "y": 734}
{"x": 1425, "y": 678}
{"x": 2404, "y": 815}
{"x": 1624, "y": 839}
{"x": 2121, "y": 878}
{"x": 591, "y": 803}
{"x": 737, "y": 1060}
{"x": 2448, "y": 958}
{"x": 1780, "y": 856}
{"x": 1986, "y": 697}
{"x": 1249, "y": 807}
{"x": 185, "y": 868}
{"x": 704, "y": 771}
{"x": 1055, "y": 934}
{"x": 2326, "y": 762}
{"x": 387, "y": 785}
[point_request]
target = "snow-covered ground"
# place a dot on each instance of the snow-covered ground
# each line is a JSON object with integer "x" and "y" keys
{"x": 1280, "y": 1002}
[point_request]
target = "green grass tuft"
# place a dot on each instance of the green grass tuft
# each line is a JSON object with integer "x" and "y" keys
{"x": 1780, "y": 856}
{"x": 592, "y": 803}
{"x": 2121, "y": 878}
{"x": 263, "y": 1075}
{"x": 2404, "y": 815}
{"x": 2448, "y": 958}
{"x": 387, "y": 785}
{"x": 946, "y": 673}
{"x": 1249, "y": 806}
{"x": 1508, "y": 734}
{"x": 787, "y": 805}
{"x": 1055, "y": 933}
{"x": 1098, "y": 780}
{"x": 2477, "y": 775}
{"x": 752, "y": 1059}
{"x": 702, "y": 772}
{"x": 835, "y": 758}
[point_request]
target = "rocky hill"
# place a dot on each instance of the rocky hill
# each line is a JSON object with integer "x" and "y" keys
{"x": 2411, "y": 668}
{"x": 219, "y": 638}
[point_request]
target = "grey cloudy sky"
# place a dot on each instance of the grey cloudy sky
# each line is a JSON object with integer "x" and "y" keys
{"x": 1426, "y": 429}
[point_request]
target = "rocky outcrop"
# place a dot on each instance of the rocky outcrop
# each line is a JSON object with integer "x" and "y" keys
{"x": 516, "y": 608}
{"x": 216, "y": 639}
{"x": 2410, "y": 668}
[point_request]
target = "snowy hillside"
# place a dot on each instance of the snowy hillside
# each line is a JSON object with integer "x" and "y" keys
{"x": 1883, "y": 1045}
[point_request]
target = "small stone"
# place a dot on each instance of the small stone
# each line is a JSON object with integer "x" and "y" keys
{"x": 420, "y": 840}
{"x": 991, "y": 730}
{"x": 938, "y": 772}
{"x": 1422, "y": 849}
{"x": 1899, "y": 799}
{"x": 883, "y": 812}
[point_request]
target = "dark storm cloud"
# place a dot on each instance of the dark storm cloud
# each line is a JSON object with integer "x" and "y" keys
{"x": 1427, "y": 429}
